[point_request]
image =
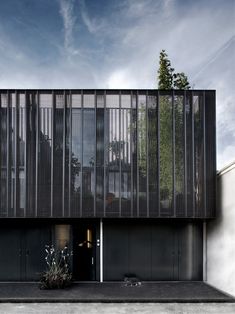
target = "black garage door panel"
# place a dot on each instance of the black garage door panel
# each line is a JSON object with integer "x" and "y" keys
{"x": 152, "y": 251}
{"x": 116, "y": 256}
{"x": 140, "y": 251}
{"x": 162, "y": 262}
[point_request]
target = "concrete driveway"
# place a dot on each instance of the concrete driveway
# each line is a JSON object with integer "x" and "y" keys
{"x": 118, "y": 308}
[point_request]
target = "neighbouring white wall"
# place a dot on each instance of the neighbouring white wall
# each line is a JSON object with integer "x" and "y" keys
{"x": 221, "y": 234}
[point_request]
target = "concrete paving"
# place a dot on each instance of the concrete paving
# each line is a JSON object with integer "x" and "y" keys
{"x": 112, "y": 308}
{"x": 159, "y": 292}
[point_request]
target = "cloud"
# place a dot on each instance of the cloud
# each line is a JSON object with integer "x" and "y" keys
{"x": 69, "y": 19}
{"x": 117, "y": 46}
{"x": 93, "y": 25}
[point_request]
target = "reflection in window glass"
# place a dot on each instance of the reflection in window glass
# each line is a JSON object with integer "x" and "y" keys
{"x": 179, "y": 155}
{"x": 76, "y": 155}
{"x": 44, "y": 155}
{"x": 3, "y": 126}
{"x": 142, "y": 160}
{"x": 198, "y": 153}
{"x": 58, "y": 155}
{"x": 113, "y": 159}
{"x": 189, "y": 155}
{"x": 100, "y": 159}
{"x": 166, "y": 157}
{"x": 125, "y": 155}
{"x": 152, "y": 156}
{"x": 88, "y": 162}
{"x": 21, "y": 147}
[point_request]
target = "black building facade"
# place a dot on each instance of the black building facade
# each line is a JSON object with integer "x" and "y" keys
{"x": 131, "y": 173}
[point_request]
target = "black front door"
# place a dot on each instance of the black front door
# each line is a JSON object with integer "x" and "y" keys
{"x": 84, "y": 252}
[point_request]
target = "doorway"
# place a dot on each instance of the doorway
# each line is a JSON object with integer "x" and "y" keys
{"x": 84, "y": 252}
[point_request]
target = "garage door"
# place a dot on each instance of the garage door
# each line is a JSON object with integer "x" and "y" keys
{"x": 152, "y": 251}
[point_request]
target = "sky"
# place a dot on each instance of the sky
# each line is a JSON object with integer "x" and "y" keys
{"x": 116, "y": 44}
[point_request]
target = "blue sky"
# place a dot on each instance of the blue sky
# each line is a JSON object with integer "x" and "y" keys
{"x": 116, "y": 43}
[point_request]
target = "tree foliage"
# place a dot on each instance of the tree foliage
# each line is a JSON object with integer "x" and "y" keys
{"x": 167, "y": 78}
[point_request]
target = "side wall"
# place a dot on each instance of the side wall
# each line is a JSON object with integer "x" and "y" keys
{"x": 221, "y": 235}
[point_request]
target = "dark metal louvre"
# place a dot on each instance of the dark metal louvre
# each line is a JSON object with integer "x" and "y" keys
{"x": 96, "y": 153}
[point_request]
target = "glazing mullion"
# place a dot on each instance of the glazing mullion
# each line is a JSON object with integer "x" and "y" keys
{"x": 193, "y": 156}
{"x": 8, "y": 153}
{"x": 0, "y": 153}
{"x": 158, "y": 153}
{"x": 16, "y": 135}
{"x": 131, "y": 151}
{"x": 120, "y": 174}
{"x": 70, "y": 150}
{"x": 82, "y": 126}
{"x": 173, "y": 150}
{"x": 185, "y": 157}
{"x": 95, "y": 152}
{"x": 52, "y": 149}
{"x": 104, "y": 153}
{"x": 204, "y": 154}
{"x": 147, "y": 154}
{"x": 26, "y": 110}
{"x": 64, "y": 148}
{"x": 137, "y": 152}
{"x": 37, "y": 150}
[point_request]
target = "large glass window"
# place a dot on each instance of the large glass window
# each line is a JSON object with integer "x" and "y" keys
{"x": 88, "y": 183}
{"x": 31, "y": 116}
{"x": 3, "y": 117}
{"x": 125, "y": 155}
{"x": 189, "y": 153}
{"x": 179, "y": 154}
{"x": 112, "y": 155}
{"x": 58, "y": 155}
{"x": 166, "y": 155}
{"x": 21, "y": 154}
{"x": 152, "y": 156}
{"x": 142, "y": 157}
{"x": 76, "y": 155}
{"x": 199, "y": 155}
{"x": 100, "y": 155}
{"x": 44, "y": 155}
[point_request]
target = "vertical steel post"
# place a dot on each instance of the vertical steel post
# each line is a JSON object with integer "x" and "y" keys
{"x": 185, "y": 157}
{"x": 37, "y": 104}
{"x": 16, "y": 146}
{"x": 9, "y": 150}
{"x": 204, "y": 156}
{"x": 52, "y": 150}
{"x": 147, "y": 154}
{"x": 95, "y": 150}
{"x": 120, "y": 168}
{"x": 131, "y": 150}
{"x": 82, "y": 125}
{"x": 193, "y": 156}
{"x": 70, "y": 150}
{"x": 158, "y": 154}
{"x": 64, "y": 151}
{"x": 25, "y": 126}
{"x": 173, "y": 150}
{"x": 105, "y": 153}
